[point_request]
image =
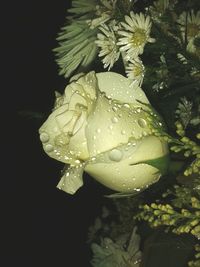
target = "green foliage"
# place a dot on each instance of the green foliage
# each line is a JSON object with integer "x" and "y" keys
{"x": 76, "y": 48}
{"x": 124, "y": 252}
{"x": 196, "y": 262}
{"x": 181, "y": 216}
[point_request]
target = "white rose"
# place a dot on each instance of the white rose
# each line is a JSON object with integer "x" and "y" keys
{"x": 103, "y": 126}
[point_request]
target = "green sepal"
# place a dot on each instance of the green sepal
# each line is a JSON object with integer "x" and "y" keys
{"x": 161, "y": 163}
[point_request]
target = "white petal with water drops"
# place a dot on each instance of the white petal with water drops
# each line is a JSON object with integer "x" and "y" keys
{"x": 72, "y": 180}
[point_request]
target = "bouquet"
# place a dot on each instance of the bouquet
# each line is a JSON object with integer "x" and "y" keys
{"x": 130, "y": 117}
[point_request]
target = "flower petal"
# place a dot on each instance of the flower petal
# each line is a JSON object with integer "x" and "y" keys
{"x": 72, "y": 180}
{"x": 122, "y": 175}
{"x": 119, "y": 87}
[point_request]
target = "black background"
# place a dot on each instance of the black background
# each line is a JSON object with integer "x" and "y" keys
{"x": 43, "y": 225}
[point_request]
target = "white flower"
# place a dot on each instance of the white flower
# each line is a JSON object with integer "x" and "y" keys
{"x": 189, "y": 24}
{"x": 108, "y": 43}
{"x": 136, "y": 34}
{"x": 192, "y": 47}
{"x": 158, "y": 9}
{"x": 135, "y": 70}
{"x": 103, "y": 126}
{"x": 104, "y": 12}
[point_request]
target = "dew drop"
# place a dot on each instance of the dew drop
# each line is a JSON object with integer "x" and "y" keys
{"x": 123, "y": 132}
{"x": 114, "y": 119}
{"x": 115, "y": 155}
{"x": 144, "y": 133}
{"x": 137, "y": 189}
{"x": 126, "y": 105}
{"x": 142, "y": 123}
{"x": 98, "y": 130}
{"x": 44, "y": 137}
{"x": 114, "y": 108}
{"x": 48, "y": 148}
{"x": 62, "y": 139}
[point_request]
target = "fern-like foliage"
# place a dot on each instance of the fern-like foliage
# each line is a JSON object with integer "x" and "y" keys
{"x": 76, "y": 46}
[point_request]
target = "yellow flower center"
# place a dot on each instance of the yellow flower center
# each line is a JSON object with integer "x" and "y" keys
{"x": 192, "y": 29}
{"x": 139, "y": 37}
{"x": 138, "y": 70}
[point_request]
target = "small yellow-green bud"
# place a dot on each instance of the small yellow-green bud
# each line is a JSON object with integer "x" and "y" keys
{"x": 156, "y": 212}
{"x": 165, "y": 217}
{"x": 185, "y": 212}
{"x": 194, "y": 222}
{"x": 185, "y": 139}
{"x": 154, "y": 205}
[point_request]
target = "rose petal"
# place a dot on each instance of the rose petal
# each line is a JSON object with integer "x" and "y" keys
{"x": 122, "y": 176}
{"x": 112, "y": 123}
{"x": 119, "y": 87}
{"x": 72, "y": 180}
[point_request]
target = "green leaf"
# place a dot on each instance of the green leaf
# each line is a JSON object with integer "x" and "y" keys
{"x": 161, "y": 163}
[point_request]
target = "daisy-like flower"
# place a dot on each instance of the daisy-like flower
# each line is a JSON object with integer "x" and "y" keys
{"x": 108, "y": 44}
{"x": 158, "y": 9}
{"x": 193, "y": 46}
{"x": 136, "y": 34}
{"x": 104, "y": 12}
{"x": 189, "y": 24}
{"x": 135, "y": 70}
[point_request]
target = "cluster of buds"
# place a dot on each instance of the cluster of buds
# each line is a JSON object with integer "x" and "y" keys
{"x": 190, "y": 149}
{"x": 196, "y": 262}
{"x": 180, "y": 220}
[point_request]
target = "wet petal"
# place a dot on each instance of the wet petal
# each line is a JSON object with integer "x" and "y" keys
{"x": 72, "y": 180}
{"x": 119, "y": 87}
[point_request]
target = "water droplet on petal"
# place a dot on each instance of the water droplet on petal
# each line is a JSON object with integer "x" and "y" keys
{"x": 114, "y": 119}
{"x": 142, "y": 123}
{"x": 115, "y": 155}
{"x": 144, "y": 133}
{"x": 137, "y": 189}
{"x": 62, "y": 139}
{"x": 98, "y": 130}
{"x": 48, "y": 148}
{"x": 126, "y": 105}
{"x": 114, "y": 108}
{"x": 44, "y": 137}
{"x": 123, "y": 132}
